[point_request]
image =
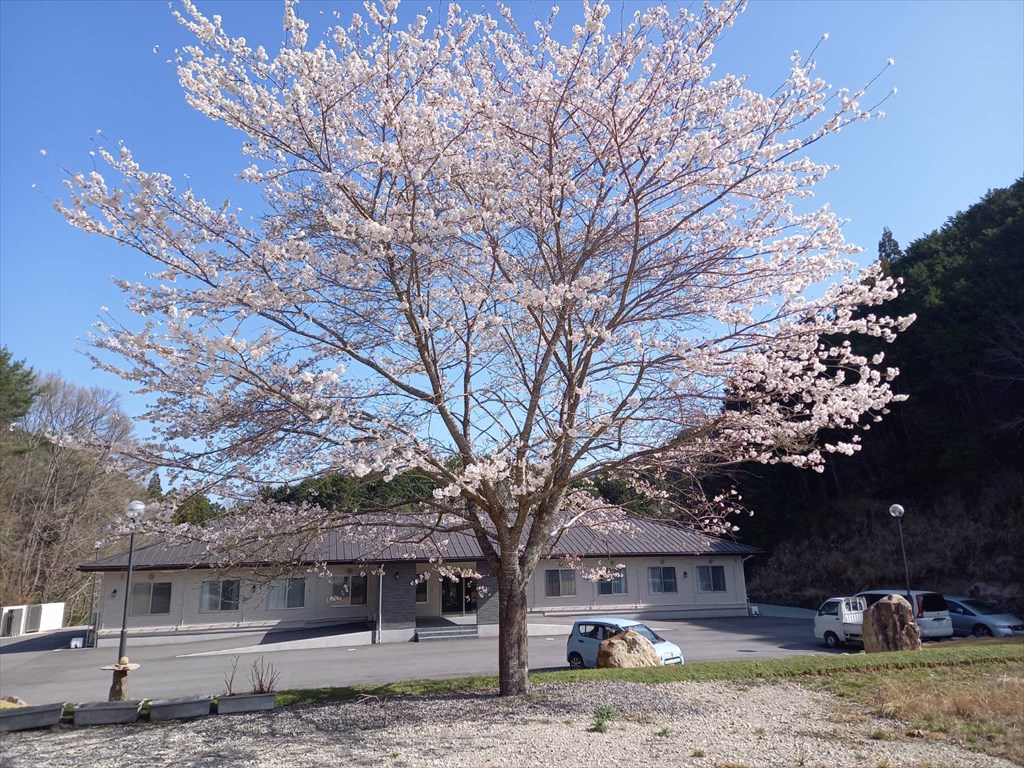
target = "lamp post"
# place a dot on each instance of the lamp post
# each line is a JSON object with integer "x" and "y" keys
{"x": 135, "y": 511}
{"x": 92, "y": 598}
{"x": 119, "y": 686}
{"x": 897, "y": 511}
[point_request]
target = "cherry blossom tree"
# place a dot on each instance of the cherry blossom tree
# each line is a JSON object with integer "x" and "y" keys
{"x": 502, "y": 261}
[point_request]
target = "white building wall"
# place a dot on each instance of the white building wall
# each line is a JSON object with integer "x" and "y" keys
{"x": 687, "y": 600}
{"x": 25, "y": 619}
{"x": 253, "y": 611}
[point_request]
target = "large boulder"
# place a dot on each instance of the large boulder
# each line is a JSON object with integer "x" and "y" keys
{"x": 889, "y": 626}
{"x": 627, "y": 649}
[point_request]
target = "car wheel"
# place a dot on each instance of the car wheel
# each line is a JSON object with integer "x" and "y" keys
{"x": 575, "y": 661}
{"x": 980, "y": 630}
{"x": 832, "y": 640}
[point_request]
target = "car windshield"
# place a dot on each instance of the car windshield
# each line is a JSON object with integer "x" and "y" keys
{"x": 643, "y": 629}
{"x": 979, "y": 607}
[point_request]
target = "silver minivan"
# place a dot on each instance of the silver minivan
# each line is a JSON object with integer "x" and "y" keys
{"x": 930, "y": 610}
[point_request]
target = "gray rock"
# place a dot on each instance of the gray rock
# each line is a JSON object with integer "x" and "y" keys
{"x": 626, "y": 650}
{"x": 889, "y": 626}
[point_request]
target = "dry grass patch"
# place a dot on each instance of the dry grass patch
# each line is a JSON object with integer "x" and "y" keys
{"x": 981, "y": 706}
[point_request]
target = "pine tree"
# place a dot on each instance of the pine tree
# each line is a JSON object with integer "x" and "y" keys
{"x": 154, "y": 490}
{"x": 888, "y": 249}
{"x": 17, "y": 389}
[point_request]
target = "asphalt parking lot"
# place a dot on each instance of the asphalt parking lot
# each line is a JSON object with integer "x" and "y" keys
{"x": 43, "y": 668}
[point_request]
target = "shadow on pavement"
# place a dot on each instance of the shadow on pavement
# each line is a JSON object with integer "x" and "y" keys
{"x": 34, "y": 643}
{"x": 292, "y": 635}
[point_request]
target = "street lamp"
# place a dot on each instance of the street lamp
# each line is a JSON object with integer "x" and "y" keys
{"x": 92, "y": 598}
{"x": 135, "y": 512}
{"x": 119, "y": 686}
{"x": 897, "y": 511}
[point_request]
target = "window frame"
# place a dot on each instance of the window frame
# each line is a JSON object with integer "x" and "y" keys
{"x": 657, "y": 586}
{"x": 349, "y": 595}
{"x": 562, "y": 582}
{"x": 285, "y": 588}
{"x": 610, "y": 585}
{"x": 148, "y": 586}
{"x": 711, "y": 570}
{"x": 205, "y": 593}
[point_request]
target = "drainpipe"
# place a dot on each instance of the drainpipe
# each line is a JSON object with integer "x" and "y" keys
{"x": 183, "y": 596}
{"x": 380, "y": 601}
{"x": 752, "y": 610}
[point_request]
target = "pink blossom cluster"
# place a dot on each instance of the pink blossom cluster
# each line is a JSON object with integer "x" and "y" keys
{"x": 506, "y": 261}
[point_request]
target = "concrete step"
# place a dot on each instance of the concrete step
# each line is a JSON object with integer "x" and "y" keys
{"x": 445, "y": 633}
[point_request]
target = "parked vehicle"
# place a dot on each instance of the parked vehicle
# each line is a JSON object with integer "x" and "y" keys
{"x": 840, "y": 620}
{"x": 587, "y": 634}
{"x": 930, "y": 610}
{"x": 978, "y": 618}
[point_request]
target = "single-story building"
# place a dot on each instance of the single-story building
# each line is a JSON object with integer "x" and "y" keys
{"x": 670, "y": 572}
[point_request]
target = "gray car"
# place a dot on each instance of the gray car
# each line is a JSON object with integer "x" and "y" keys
{"x": 978, "y": 618}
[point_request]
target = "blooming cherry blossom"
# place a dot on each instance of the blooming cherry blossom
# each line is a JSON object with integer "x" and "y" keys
{"x": 508, "y": 262}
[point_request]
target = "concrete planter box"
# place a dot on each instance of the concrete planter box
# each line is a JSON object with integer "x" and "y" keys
{"x": 178, "y": 709}
{"x": 107, "y": 712}
{"x": 25, "y": 718}
{"x": 245, "y": 702}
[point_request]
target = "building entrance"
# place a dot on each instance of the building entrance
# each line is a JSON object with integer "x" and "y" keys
{"x": 458, "y": 597}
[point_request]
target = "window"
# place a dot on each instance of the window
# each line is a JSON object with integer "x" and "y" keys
{"x": 616, "y": 586}
{"x": 711, "y": 578}
{"x": 930, "y": 601}
{"x": 151, "y": 597}
{"x": 219, "y": 596}
{"x": 831, "y": 608}
{"x": 286, "y": 593}
{"x": 348, "y": 590}
{"x": 559, "y": 582}
{"x": 421, "y": 591}
{"x": 661, "y": 579}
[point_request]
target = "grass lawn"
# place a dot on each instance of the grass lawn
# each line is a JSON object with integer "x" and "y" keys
{"x": 968, "y": 691}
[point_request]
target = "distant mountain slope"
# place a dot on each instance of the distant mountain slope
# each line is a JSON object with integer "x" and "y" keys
{"x": 953, "y": 454}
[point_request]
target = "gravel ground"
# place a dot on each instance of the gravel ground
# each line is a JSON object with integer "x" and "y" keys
{"x": 675, "y": 724}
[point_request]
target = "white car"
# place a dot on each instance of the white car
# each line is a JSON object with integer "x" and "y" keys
{"x": 840, "y": 620}
{"x": 587, "y": 634}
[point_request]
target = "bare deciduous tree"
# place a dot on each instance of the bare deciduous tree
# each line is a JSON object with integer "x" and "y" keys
{"x": 58, "y": 488}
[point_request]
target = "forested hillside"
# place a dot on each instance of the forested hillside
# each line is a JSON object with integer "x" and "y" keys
{"x": 952, "y": 454}
{"x": 62, "y": 483}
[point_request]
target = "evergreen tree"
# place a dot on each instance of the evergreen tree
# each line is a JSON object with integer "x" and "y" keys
{"x": 953, "y": 450}
{"x": 17, "y": 389}
{"x": 154, "y": 490}
{"x": 197, "y": 510}
{"x": 888, "y": 249}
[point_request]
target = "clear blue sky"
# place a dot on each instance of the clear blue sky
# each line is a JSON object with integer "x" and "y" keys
{"x": 69, "y": 68}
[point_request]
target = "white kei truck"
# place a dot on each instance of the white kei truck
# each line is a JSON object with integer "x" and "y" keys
{"x": 840, "y": 620}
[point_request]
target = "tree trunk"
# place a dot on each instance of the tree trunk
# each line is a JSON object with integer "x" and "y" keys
{"x": 513, "y": 637}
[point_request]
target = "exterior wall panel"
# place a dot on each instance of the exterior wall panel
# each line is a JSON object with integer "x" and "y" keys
{"x": 638, "y": 596}
{"x": 399, "y": 606}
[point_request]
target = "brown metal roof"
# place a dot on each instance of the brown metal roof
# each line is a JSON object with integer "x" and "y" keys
{"x": 646, "y": 538}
